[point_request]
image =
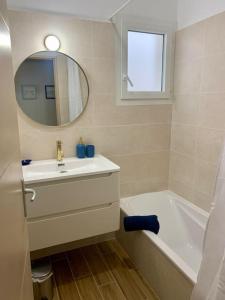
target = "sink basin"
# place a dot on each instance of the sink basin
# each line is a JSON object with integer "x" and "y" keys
{"x": 48, "y": 170}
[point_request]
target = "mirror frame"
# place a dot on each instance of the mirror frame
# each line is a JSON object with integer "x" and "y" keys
{"x": 62, "y": 125}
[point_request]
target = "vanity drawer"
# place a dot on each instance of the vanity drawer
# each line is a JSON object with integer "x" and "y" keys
{"x": 75, "y": 226}
{"x": 72, "y": 195}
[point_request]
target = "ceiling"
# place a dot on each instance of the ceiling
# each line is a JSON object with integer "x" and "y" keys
{"x": 91, "y": 9}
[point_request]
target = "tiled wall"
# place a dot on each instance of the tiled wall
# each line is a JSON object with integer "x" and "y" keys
{"x": 135, "y": 137}
{"x": 198, "y": 122}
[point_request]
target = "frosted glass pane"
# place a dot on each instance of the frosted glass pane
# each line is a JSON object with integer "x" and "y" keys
{"x": 145, "y": 61}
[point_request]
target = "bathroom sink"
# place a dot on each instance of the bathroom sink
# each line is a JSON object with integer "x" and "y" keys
{"x": 48, "y": 170}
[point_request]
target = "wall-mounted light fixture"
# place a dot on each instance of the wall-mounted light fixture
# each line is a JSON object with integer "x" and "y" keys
{"x": 5, "y": 40}
{"x": 52, "y": 43}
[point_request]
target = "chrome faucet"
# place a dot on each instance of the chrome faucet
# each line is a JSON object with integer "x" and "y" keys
{"x": 59, "y": 151}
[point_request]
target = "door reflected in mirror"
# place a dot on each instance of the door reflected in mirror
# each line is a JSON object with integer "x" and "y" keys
{"x": 51, "y": 88}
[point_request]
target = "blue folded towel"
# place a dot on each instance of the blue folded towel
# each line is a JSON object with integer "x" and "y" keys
{"x": 134, "y": 223}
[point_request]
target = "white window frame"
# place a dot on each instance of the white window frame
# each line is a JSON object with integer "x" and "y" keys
{"x": 148, "y": 26}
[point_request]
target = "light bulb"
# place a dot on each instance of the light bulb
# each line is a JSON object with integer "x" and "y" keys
{"x": 52, "y": 43}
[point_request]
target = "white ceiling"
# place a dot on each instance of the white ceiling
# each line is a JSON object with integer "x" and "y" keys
{"x": 192, "y": 11}
{"x": 91, "y": 9}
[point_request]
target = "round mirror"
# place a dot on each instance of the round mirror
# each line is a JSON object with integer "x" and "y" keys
{"x": 51, "y": 88}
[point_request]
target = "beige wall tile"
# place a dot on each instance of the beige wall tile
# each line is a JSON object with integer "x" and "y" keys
{"x": 202, "y": 200}
{"x": 213, "y": 80}
{"x": 215, "y": 36}
{"x": 209, "y": 144}
{"x": 183, "y": 139}
{"x": 141, "y": 187}
{"x": 205, "y": 177}
{"x": 187, "y": 78}
{"x": 119, "y": 140}
{"x": 76, "y": 43}
{"x": 186, "y": 108}
{"x": 41, "y": 144}
{"x": 190, "y": 42}
{"x": 103, "y": 75}
{"x": 127, "y": 189}
{"x": 155, "y": 137}
{"x": 126, "y": 131}
{"x": 148, "y": 185}
{"x": 211, "y": 111}
{"x": 153, "y": 166}
{"x": 182, "y": 169}
{"x": 200, "y": 104}
{"x": 107, "y": 113}
{"x": 103, "y": 40}
{"x": 115, "y": 130}
{"x": 181, "y": 189}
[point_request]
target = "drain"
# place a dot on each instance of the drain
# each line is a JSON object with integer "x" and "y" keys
{"x": 63, "y": 171}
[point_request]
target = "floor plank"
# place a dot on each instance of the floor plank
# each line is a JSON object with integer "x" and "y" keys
{"x": 83, "y": 277}
{"x": 99, "y": 269}
{"x": 142, "y": 285}
{"x": 120, "y": 252}
{"x": 112, "y": 291}
{"x": 65, "y": 284}
{"x": 99, "y": 272}
{"x": 88, "y": 289}
{"x": 78, "y": 264}
{"x": 122, "y": 274}
{"x": 55, "y": 290}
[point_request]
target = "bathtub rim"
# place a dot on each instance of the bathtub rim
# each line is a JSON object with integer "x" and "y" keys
{"x": 177, "y": 261}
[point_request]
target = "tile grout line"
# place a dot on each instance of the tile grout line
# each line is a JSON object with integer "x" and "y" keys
{"x": 192, "y": 157}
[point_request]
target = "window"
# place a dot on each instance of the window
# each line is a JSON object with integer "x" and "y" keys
{"x": 145, "y": 56}
{"x": 145, "y": 62}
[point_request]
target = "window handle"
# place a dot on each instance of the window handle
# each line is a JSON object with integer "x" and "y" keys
{"x": 127, "y": 78}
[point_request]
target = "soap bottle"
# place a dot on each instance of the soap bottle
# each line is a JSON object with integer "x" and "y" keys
{"x": 80, "y": 149}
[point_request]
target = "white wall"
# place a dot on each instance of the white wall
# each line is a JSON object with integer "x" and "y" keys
{"x": 101, "y": 9}
{"x": 192, "y": 11}
{"x": 158, "y": 9}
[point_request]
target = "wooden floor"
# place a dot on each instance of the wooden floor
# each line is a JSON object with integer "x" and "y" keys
{"x": 98, "y": 272}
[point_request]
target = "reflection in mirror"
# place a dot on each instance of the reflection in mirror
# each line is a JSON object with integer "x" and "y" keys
{"x": 51, "y": 88}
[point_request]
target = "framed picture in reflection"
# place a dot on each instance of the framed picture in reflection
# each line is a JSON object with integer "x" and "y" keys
{"x": 29, "y": 92}
{"x": 50, "y": 92}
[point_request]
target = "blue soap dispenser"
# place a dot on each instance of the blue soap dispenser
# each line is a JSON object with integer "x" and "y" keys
{"x": 80, "y": 149}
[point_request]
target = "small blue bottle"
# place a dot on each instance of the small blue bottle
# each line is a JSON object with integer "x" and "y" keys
{"x": 90, "y": 151}
{"x": 80, "y": 149}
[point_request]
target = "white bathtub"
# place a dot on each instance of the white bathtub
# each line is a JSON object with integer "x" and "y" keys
{"x": 170, "y": 260}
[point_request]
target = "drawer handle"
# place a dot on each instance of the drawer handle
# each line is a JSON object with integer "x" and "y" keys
{"x": 31, "y": 191}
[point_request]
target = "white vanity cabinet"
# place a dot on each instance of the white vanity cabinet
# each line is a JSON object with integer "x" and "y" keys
{"x": 72, "y": 208}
